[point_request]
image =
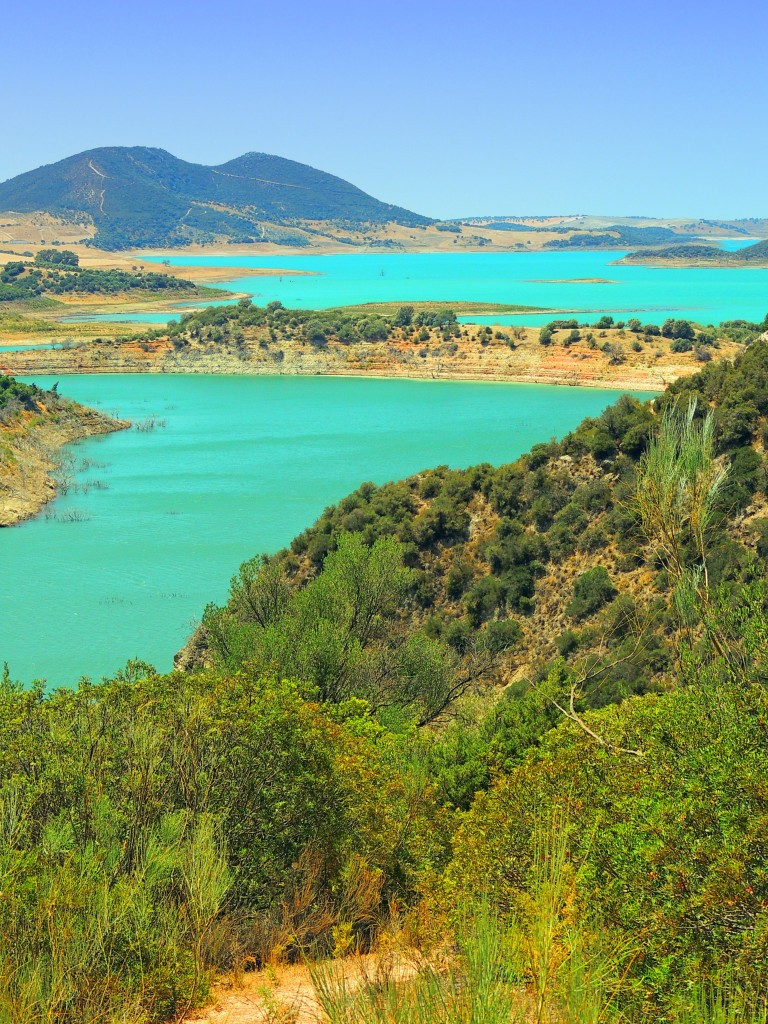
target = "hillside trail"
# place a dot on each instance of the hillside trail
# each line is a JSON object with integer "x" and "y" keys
{"x": 285, "y": 994}
{"x": 282, "y": 994}
{"x": 96, "y": 170}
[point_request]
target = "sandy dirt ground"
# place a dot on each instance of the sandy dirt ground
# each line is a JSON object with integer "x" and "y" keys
{"x": 286, "y": 995}
{"x": 283, "y": 995}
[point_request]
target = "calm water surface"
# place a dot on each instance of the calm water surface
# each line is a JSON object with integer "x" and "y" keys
{"x": 241, "y": 466}
{"x": 545, "y": 279}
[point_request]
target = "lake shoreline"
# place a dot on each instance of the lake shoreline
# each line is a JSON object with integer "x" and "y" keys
{"x": 525, "y": 365}
{"x": 27, "y": 486}
{"x": 673, "y": 264}
{"x": 630, "y": 383}
{"x": 156, "y": 521}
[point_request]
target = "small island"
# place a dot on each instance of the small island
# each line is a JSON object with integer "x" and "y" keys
{"x": 56, "y": 274}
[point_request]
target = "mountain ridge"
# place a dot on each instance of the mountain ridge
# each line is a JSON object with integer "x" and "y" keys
{"x": 142, "y": 196}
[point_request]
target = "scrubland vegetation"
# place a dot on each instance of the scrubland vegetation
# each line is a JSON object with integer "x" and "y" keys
{"x": 34, "y": 425}
{"x": 15, "y": 395}
{"x": 57, "y": 272}
{"x": 229, "y": 326}
{"x": 685, "y": 336}
{"x": 348, "y": 326}
{"x": 513, "y": 719}
{"x": 390, "y": 339}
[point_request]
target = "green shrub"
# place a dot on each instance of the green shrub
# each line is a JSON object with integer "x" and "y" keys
{"x": 500, "y": 636}
{"x": 591, "y": 591}
{"x": 458, "y": 578}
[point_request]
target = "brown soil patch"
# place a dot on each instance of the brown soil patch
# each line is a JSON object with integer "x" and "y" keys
{"x": 282, "y": 995}
{"x": 286, "y": 995}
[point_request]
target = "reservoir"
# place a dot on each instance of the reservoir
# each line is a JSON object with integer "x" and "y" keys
{"x": 587, "y": 282}
{"x": 156, "y": 521}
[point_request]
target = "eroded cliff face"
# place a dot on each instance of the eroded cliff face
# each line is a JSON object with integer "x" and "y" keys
{"x": 474, "y": 356}
{"x": 31, "y": 470}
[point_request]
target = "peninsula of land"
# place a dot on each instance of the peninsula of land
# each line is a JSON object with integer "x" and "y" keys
{"x": 34, "y": 427}
{"x": 384, "y": 340}
{"x": 698, "y": 255}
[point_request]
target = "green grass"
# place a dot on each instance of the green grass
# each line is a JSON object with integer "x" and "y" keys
{"x": 460, "y": 308}
{"x": 22, "y": 326}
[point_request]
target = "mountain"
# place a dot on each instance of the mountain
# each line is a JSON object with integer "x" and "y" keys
{"x": 140, "y": 196}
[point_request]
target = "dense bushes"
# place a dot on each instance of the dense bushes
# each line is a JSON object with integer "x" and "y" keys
{"x": 14, "y": 393}
{"x": 667, "y": 845}
{"x": 154, "y": 827}
{"x": 343, "y": 632}
{"x": 565, "y": 499}
{"x": 591, "y": 591}
{"x": 344, "y": 749}
{"x": 315, "y": 327}
{"x": 55, "y": 273}
{"x": 57, "y": 258}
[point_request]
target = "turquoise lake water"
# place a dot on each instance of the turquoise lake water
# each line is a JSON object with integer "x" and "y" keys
{"x": 544, "y": 279}
{"x": 242, "y": 465}
{"x": 24, "y": 348}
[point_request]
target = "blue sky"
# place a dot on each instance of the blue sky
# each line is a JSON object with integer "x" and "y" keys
{"x": 450, "y": 108}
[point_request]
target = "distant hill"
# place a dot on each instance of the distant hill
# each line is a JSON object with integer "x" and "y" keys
{"x": 138, "y": 196}
{"x": 588, "y": 235}
{"x": 712, "y": 255}
{"x": 616, "y": 236}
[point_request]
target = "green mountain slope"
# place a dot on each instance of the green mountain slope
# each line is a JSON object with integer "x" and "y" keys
{"x": 536, "y": 561}
{"x": 139, "y": 196}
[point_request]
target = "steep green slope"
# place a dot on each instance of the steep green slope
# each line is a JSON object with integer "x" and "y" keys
{"x": 140, "y": 196}
{"x": 512, "y": 570}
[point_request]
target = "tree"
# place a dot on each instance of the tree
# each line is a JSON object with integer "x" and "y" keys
{"x": 374, "y": 328}
{"x": 57, "y": 257}
{"x": 11, "y": 270}
{"x": 315, "y": 331}
{"x": 616, "y": 354}
{"x": 260, "y": 592}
